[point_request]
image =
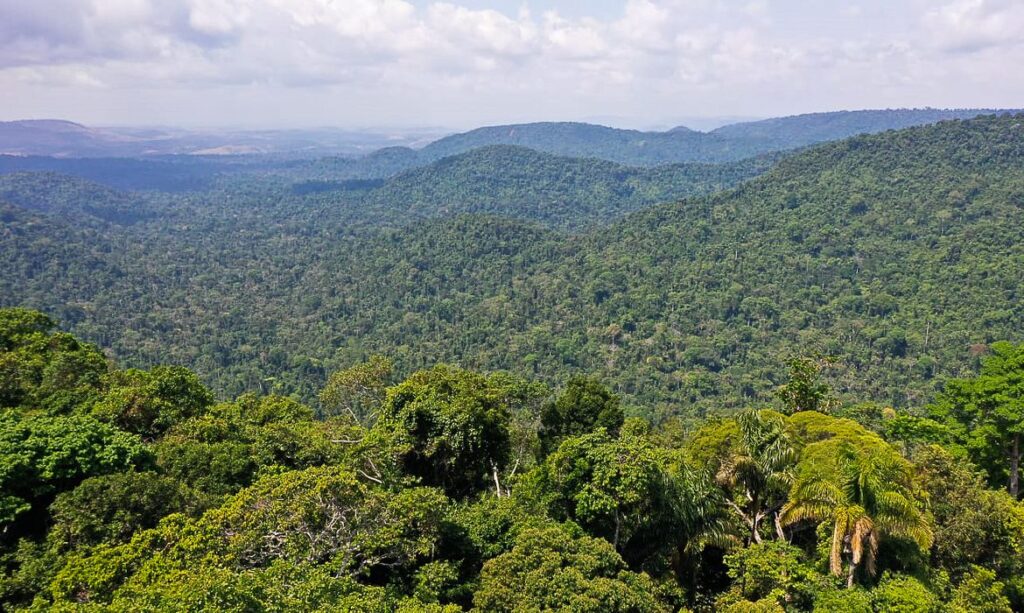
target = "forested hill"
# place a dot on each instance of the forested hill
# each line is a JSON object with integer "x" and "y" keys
{"x": 632, "y": 147}
{"x": 898, "y": 254}
{"x": 892, "y": 252}
{"x": 181, "y": 173}
{"x": 561, "y": 192}
{"x": 800, "y": 130}
{"x": 729, "y": 143}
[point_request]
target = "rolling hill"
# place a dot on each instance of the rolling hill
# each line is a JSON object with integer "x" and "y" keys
{"x": 728, "y": 143}
{"x": 899, "y": 254}
{"x": 560, "y": 192}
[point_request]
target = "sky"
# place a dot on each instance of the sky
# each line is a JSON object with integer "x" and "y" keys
{"x": 464, "y": 63}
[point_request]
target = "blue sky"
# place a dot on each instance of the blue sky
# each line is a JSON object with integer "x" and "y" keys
{"x": 462, "y": 63}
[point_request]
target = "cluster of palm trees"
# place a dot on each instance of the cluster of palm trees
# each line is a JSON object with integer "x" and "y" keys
{"x": 853, "y": 482}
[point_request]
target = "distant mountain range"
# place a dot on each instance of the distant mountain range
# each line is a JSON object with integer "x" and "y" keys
{"x": 635, "y": 148}
{"x": 895, "y": 253}
{"x": 401, "y": 151}
{"x": 681, "y": 144}
{"x": 57, "y": 138}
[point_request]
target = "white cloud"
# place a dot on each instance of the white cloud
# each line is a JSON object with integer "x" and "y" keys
{"x": 742, "y": 57}
{"x": 973, "y": 25}
{"x": 218, "y": 17}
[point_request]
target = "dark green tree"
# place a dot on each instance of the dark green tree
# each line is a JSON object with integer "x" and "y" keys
{"x": 449, "y": 428}
{"x": 987, "y": 414}
{"x": 638, "y": 496}
{"x": 43, "y": 369}
{"x": 111, "y": 508}
{"x": 582, "y": 407}
{"x": 41, "y": 456}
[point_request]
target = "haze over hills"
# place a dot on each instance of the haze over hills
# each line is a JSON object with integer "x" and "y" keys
{"x": 681, "y": 144}
{"x": 565, "y": 193}
{"x": 856, "y": 249}
{"x": 68, "y": 139}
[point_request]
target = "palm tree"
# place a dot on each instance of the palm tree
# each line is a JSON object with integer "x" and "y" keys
{"x": 863, "y": 495}
{"x": 759, "y": 470}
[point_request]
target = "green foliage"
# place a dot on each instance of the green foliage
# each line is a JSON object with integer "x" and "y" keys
{"x": 358, "y": 390}
{"x": 979, "y": 592}
{"x": 41, "y": 456}
{"x": 280, "y": 587}
{"x": 914, "y": 431}
{"x": 904, "y": 594}
{"x": 571, "y": 194}
{"x": 557, "y": 568}
{"x": 148, "y": 403}
{"x": 986, "y": 414}
{"x": 757, "y": 469}
{"x": 327, "y": 515}
{"x": 972, "y": 525}
{"x": 42, "y": 369}
{"x": 257, "y": 504}
{"x": 451, "y": 427}
{"x": 805, "y": 391}
{"x": 217, "y": 468}
{"x": 860, "y": 487}
{"x": 323, "y": 517}
{"x": 491, "y": 525}
{"x": 583, "y": 406}
{"x": 832, "y": 600}
{"x": 132, "y": 490}
{"x": 28, "y": 567}
{"x": 843, "y": 250}
{"x": 745, "y": 606}
{"x": 626, "y": 490}
{"x": 770, "y": 572}
{"x": 19, "y": 327}
{"x": 111, "y": 508}
{"x": 229, "y": 446}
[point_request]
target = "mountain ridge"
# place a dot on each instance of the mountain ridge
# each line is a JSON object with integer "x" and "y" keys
{"x": 855, "y": 249}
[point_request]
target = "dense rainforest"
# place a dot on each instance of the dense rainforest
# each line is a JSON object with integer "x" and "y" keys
{"x": 894, "y": 257}
{"x": 526, "y": 368}
{"x": 452, "y": 490}
{"x": 729, "y": 143}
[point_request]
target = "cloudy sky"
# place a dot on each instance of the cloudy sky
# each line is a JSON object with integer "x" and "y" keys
{"x": 351, "y": 63}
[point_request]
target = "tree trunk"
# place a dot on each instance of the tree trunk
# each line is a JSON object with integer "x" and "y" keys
{"x": 497, "y": 480}
{"x": 779, "y": 532}
{"x": 852, "y": 572}
{"x": 1015, "y": 466}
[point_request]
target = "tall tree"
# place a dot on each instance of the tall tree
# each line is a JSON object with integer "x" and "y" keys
{"x": 583, "y": 406}
{"x": 758, "y": 470}
{"x": 805, "y": 391}
{"x": 558, "y": 569}
{"x": 357, "y": 391}
{"x": 637, "y": 495}
{"x": 987, "y": 413}
{"x": 450, "y": 427}
{"x": 864, "y": 492}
